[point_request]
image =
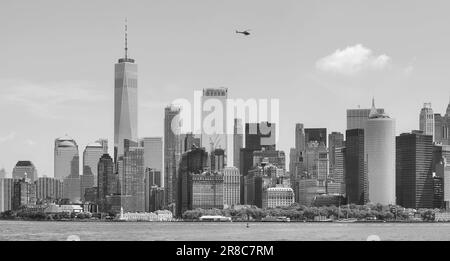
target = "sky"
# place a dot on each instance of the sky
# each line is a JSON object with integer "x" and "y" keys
{"x": 317, "y": 57}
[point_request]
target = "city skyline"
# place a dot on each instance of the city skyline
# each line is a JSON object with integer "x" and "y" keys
{"x": 65, "y": 103}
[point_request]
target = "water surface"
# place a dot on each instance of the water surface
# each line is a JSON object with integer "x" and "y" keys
{"x": 126, "y": 231}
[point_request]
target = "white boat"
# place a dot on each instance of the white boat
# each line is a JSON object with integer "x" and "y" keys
{"x": 215, "y": 219}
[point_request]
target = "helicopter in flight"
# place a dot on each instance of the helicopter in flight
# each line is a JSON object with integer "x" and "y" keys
{"x": 246, "y": 32}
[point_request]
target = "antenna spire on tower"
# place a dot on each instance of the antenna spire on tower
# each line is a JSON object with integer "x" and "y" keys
{"x": 126, "y": 39}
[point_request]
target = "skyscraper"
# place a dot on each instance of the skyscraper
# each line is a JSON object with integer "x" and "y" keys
{"x": 24, "y": 193}
{"x": 66, "y": 158}
{"x": 335, "y": 140}
{"x": 316, "y": 161}
{"x": 192, "y": 162}
{"x": 299, "y": 137}
{"x": 426, "y": 120}
{"x": 213, "y": 133}
{"x": 446, "y": 181}
{"x": 217, "y": 158}
{"x": 442, "y": 127}
{"x": 132, "y": 177}
{"x": 153, "y": 153}
{"x": 238, "y": 141}
{"x": 170, "y": 147}
{"x": 379, "y": 147}
{"x": 356, "y": 118}
{"x": 25, "y": 169}
{"x": 6, "y": 194}
{"x": 207, "y": 190}
{"x": 91, "y": 155}
{"x": 338, "y": 175}
{"x": 231, "y": 187}
{"x": 152, "y": 186}
{"x": 356, "y": 180}
{"x": 107, "y": 180}
{"x": 296, "y": 154}
{"x": 125, "y": 102}
{"x": 414, "y": 177}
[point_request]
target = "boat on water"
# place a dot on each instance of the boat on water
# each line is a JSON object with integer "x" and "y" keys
{"x": 215, "y": 219}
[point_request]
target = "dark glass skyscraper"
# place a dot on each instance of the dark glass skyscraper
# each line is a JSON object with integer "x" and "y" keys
{"x": 414, "y": 177}
{"x": 107, "y": 180}
{"x": 356, "y": 181}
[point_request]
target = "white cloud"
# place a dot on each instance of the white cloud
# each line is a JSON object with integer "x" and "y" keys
{"x": 8, "y": 137}
{"x": 352, "y": 60}
{"x": 47, "y": 100}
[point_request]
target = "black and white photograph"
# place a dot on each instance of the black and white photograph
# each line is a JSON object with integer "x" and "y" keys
{"x": 204, "y": 122}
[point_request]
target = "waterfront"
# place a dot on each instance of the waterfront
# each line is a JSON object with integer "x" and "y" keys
{"x": 196, "y": 231}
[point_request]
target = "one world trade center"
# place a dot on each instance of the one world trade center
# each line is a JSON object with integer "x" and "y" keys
{"x": 125, "y": 102}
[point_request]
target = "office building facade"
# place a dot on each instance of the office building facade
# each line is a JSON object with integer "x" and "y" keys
{"x": 170, "y": 153}
{"x": 91, "y": 156}
{"x": 49, "y": 189}
{"x": 414, "y": 177}
{"x": 231, "y": 187}
{"x": 356, "y": 179}
{"x": 214, "y": 135}
{"x": 278, "y": 197}
{"x": 379, "y": 150}
{"x": 66, "y": 158}
{"x": 238, "y": 141}
{"x": 6, "y": 194}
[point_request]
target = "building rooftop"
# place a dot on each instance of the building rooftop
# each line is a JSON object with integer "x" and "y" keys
{"x": 24, "y": 163}
{"x": 375, "y": 114}
{"x": 94, "y": 145}
{"x": 66, "y": 143}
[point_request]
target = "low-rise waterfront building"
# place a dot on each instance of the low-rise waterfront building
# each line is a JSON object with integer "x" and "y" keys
{"x": 278, "y": 197}
{"x": 160, "y": 215}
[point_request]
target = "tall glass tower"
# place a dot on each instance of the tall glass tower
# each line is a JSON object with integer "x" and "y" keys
{"x": 125, "y": 102}
{"x": 379, "y": 150}
{"x": 66, "y": 158}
